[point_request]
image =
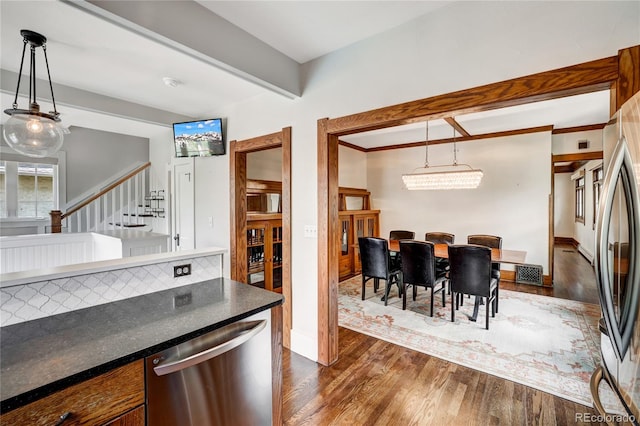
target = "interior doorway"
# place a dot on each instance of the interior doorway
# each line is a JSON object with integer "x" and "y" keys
{"x": 238, "y": 152}
{"x": 575, "y": 195}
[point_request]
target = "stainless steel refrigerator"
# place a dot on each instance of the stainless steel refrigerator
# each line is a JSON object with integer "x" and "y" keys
{"x": 617, "y": 264}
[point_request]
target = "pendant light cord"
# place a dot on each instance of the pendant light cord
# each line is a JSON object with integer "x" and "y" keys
{"x": 24, "y": 49}
{"x": 426, "y": 142}
{"x": 455, "y": 155}
{"x": 46, "y": 61}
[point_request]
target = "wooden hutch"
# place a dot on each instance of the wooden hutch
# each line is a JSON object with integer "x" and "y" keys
{"x": 264, "y": 234}
{"x": 357, "y": 219}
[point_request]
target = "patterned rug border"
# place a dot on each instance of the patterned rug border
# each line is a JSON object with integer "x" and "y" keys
{"x": 568, "y": 386}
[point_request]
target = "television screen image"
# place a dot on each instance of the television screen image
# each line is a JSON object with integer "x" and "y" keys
{"x": 199, "y": 138}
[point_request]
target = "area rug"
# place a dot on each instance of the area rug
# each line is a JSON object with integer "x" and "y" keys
{"x": 543, "y": 342}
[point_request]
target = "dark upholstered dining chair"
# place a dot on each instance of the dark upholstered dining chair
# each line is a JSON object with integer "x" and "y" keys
{"x": 470, "y": 273}
{"x": 440, "y": 238}
{"x": 490, "y": 241}
{"x": 419, "y": 270}
{"x": 399, "y": 234}
{"x": 376, "y": 265}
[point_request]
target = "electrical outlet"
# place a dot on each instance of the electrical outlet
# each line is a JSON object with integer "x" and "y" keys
{"x": 182, "y": 300}
{"x": 181, "y": 270}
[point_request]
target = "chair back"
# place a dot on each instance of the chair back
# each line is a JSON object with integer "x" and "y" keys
{"x": 418, "y": 263}
{"x": 470, "y": 271}
{"x": 490, "y": 241}
{"x": 402, "y": 235}
{"x": 439, "y": 237}
{"x": 374, "y": 257}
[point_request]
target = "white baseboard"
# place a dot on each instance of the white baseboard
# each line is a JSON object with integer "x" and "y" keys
{"x": 585, "y": 253}
{"x": 304, "y": 345}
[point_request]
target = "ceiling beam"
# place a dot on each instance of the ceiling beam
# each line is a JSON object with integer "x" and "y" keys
{"x": 579, "y": 128}
{"x": 582, "y": 156}
{"x": 460, "y": 139}
{"x": 453, "y": 123}
{"x": 573, "y": 80}
{"x": 156, "y": 20}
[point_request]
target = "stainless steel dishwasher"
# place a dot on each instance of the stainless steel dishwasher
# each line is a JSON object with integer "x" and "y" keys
{"x": 220, "y": 378}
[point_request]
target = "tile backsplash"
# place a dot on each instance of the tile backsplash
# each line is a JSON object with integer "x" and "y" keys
{"x": 44, "y": 298}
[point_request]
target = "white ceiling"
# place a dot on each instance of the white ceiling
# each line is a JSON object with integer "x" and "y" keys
{"x": 305, "y": 30}
{"x": 90, "y": 53}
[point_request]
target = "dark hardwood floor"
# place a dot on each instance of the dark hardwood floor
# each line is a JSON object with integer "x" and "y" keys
{"x": 573, "y": 279}
{"x": 379, "y": 383}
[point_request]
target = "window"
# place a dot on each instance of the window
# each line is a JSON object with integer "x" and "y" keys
{"x": 27, "y": 189}
{"x": 598, "y": 176}
{"x": 580, "y": 199}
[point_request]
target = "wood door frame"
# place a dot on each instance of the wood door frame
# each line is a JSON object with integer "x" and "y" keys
{"x": 620, "y": 73}
{"x": 238, "y": 151}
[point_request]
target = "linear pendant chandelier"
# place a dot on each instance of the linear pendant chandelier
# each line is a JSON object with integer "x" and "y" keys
{"x": 454, "y": 176}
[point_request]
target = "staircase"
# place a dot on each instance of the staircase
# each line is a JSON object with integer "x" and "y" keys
{"x": 127, "y": 203}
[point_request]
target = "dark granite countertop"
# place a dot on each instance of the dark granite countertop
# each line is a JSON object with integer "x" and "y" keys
{"x": 42, "y": 356}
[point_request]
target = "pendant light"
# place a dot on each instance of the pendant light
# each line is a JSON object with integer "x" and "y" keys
{"x": 454, "y": 176}
{"x": 30, "y": 131}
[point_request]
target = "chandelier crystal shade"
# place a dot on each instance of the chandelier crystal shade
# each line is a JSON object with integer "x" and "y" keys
{"x": 29, "y": 131}
{"x": 454, "y": 176}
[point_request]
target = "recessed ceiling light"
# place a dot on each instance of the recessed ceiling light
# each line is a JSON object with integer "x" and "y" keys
{"x": 170, "y": 81}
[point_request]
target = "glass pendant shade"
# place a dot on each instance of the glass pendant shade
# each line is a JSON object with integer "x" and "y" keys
{"x": 29, "y": 131}
{"x": 33, "y": 135}
{"x": 443, "y": 180}
{"x": 454, "y": 176}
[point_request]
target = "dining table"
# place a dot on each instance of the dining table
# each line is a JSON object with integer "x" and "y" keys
{"x": 497, "y": 255}
{"x": 514, "y": 257}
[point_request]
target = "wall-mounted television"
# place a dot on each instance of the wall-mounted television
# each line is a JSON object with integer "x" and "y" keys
{"x": 201, "y": 138}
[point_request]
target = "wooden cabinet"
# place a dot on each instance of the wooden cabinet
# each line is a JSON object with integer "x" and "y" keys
{"x": 355, "y": 224}
{"x": 264, "y": 251}
{"x": 113, "y": 398}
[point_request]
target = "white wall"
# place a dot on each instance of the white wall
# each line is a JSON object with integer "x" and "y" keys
{"x": 352, "y": 168}
{"x": 511, "y": 201}
{"x": 460, "y": 46}
{"x": 567, "y": 143}
{"x": 564, "y": 211}
{"x": 265, "y": 165}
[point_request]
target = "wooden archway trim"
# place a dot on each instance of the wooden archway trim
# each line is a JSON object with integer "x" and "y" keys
{"x": 608, "y": 73}
{"x": 238, "y": 151}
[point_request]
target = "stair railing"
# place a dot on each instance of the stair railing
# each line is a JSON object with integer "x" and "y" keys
{"x": 109, "y": 208}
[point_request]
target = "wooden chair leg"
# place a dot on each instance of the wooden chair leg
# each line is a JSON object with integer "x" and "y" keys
{"x": 363, "y": 285}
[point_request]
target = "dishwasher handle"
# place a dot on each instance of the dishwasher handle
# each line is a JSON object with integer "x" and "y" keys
{"x": 195, "y": 359}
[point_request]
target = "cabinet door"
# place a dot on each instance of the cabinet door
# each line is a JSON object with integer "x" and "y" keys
{"x": 264, "y": 254}
{"x": 276, "y": 256}
{"x": 256, "y": 253}
{"x": 364, "y": 225}
{"x": 346, "y": 249}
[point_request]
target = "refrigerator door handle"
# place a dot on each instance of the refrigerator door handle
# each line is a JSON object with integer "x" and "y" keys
{"x": 620, "y": 168}
{"x": 594, "y": 383}
{"x": 207, "y": 354}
